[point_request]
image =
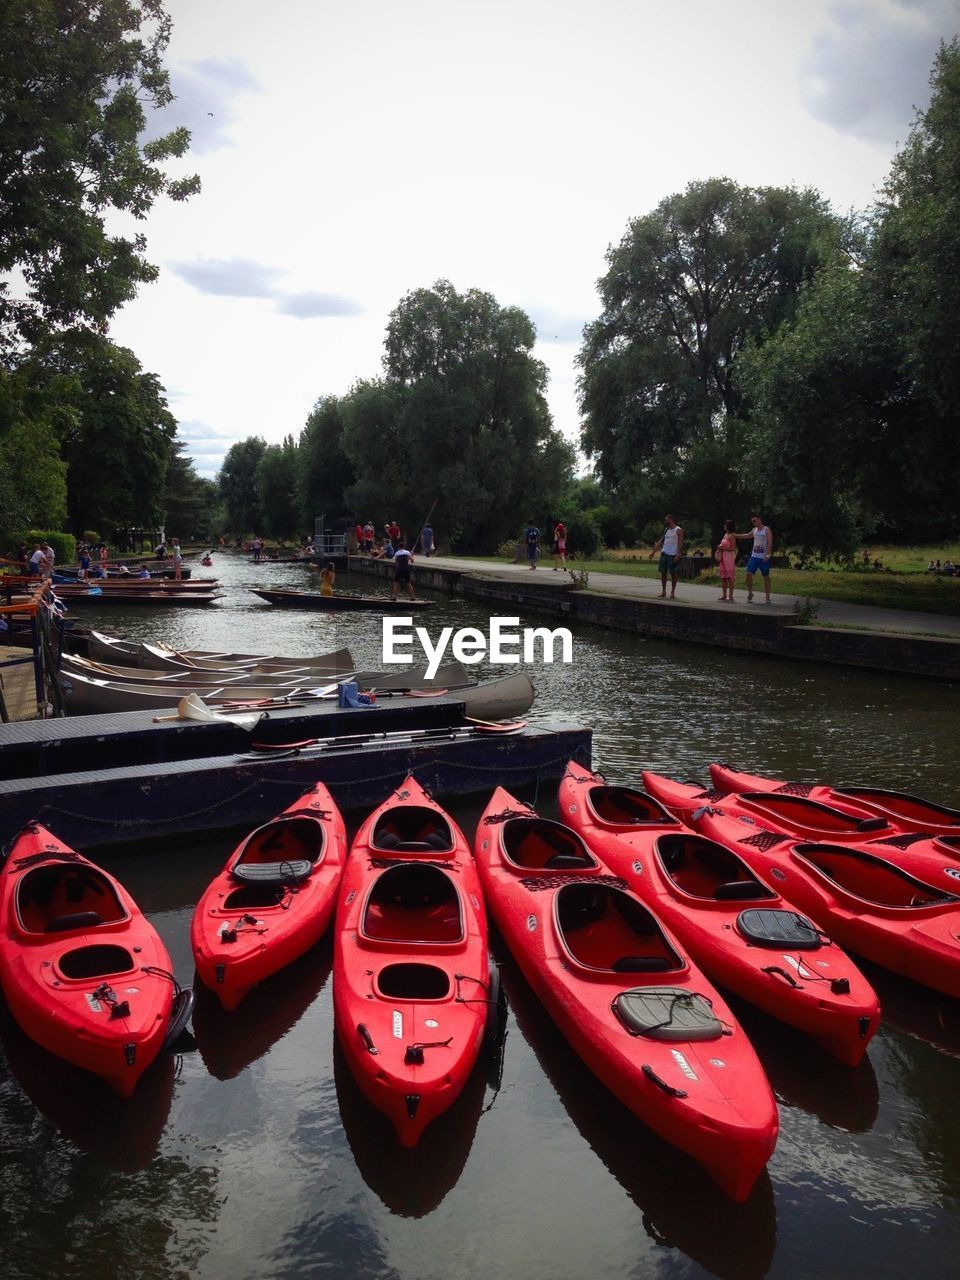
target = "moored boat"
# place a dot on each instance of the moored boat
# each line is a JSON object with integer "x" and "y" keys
{"x": 412, "y": 977}
{"x": 341, "y": 602}
{"x": 899, "y": 808}
{"x": 934, "y": 860}
{"x": 734, "y": 923}
{"x": 135, "y": 653}
{"x": 866, "y": 903}
{"x": 273, "y": 900}
{"x": 84, "y": 973}
{"x": 632, "y": 1004}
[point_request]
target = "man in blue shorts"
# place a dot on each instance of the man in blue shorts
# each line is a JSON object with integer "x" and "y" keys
{"x": 670, "y": 546}
{"x": 532, "y": 540}
{"x": 762, "y": 537}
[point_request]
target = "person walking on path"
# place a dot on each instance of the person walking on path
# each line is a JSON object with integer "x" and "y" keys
{"x": 531, "y": 539}
{"x": 762, "y": 537}
{"x": 402, "y": 560}
{"x": 560, "y": 545}
{"x": 727, "y": 560}
{"x": 670, "y": 546}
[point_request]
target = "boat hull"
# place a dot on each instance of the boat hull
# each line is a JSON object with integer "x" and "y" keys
{"x": 818, "y": 990}
{"x": 244, "y": 932}
{"x": 411, "y": 970}
{"x": 708, "y": 1097}
{"x": 83, "y": 972}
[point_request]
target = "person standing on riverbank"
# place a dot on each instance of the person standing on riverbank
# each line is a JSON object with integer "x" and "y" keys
{"x": 531, "y": 539}
{"x": 762, "y": 537}
{"x": 559, "y": 545}
{"x": 670, "y": 546}
{"x": 727, "y": 560}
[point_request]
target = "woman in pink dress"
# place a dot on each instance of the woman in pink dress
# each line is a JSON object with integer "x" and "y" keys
{"x": 727, "y": 560}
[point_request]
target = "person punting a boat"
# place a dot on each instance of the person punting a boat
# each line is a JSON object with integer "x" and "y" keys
{"x": 328, "y": 576}
{"x": 402, "y": 560}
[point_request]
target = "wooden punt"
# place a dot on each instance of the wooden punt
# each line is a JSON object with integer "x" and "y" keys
{"x": 285, "y": 599}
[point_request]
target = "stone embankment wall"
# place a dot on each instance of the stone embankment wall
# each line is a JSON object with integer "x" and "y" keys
{"x": 776, "y": 634}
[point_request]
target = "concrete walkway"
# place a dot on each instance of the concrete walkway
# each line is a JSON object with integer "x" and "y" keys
{"x": 831, "y": 613}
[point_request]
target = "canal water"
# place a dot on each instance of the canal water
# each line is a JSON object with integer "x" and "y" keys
{"x": 254, "y": 1154}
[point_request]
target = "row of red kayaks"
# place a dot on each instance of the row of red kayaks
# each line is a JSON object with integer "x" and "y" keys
{"x": 621, "y": 918}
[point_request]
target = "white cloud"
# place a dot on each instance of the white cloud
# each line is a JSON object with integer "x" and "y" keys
{"x": 869, "y": 70}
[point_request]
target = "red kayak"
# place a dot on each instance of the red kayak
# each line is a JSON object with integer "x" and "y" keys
{"x": 901, "y": 810}
{"x": 868, "y": 904}
{"x": 84, "y": 973}
{"x": 928, "y": 858}
{"x": 638, "y": 1012}
{"x": 412, "y": 979}
{"x": 273, "y": 900}
{"x": 733, "y": 922}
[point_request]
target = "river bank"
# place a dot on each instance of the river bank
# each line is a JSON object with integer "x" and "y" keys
{"x": 824, "y": 632}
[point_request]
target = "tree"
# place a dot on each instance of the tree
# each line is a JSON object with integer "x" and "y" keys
{"x": 686, "y": 289}
{"x": 119, "y": 440}
{"x": 464, "y": 417}
{"x": 238, "y": 485}
{"x": 856, "y": 405}
{"x": 189, "y": 502}
{"x": 74, "y": 79}
{"x": 278, "y": 485}
{"x": 325, "y": 473}
{"x": 33, "y": 415}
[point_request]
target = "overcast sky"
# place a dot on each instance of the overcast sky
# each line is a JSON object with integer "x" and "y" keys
{"x": 352, "y": 152}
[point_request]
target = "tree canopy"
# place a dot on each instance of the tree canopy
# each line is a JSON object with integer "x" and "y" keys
{"x": 856, "y": 404}
{"x": 74, "y": 80}
{"x": 459, "y": 416}
{"x": 239, "y": 485}
{"x": 686, "y": 288}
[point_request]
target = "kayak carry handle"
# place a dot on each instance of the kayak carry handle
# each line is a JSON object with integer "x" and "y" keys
{"x": 652, "y": 1076}
{"x": 364, "y": 1034}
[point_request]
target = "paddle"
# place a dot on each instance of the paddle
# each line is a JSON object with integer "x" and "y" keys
{"x": 388, "y": 736}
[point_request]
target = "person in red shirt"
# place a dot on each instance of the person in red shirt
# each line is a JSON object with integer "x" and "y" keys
{"x": 559, "y": 545}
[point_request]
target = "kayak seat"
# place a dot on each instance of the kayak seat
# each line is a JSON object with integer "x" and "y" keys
{"x": 734, "y": 889}
{"x": 292, "y": 871}
{"x": 413, "y": 828}
{"x": 872, "y": 824}
{"x": 77, "y": 920}
{"x": 566, "y": 861}
{"x": 667, "y": 1013}
{"x": 642, "y": 964}
{"x": 538, "y": 843}
{"x": 773, "y": 927}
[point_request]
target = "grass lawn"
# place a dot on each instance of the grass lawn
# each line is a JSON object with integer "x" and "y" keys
{"x": 908, "y": 587}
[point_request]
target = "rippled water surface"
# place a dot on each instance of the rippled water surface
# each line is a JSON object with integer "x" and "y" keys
{"x": 255, "y": 1155}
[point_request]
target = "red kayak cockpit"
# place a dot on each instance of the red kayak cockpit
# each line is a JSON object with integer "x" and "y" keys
{"x": 623, "y": 808}
{"x": 537, "y": 844}
{"x": 60, "y": 897}
{"x": 702, "y": 868}
{"x": 870, "y": 879}
{"x": 412, "y": 829}
{"x": 413, "y": 903}
{"x": 274, "y": 859}
{"x": 602, "y": 927}
{"x": 799, "y": 812}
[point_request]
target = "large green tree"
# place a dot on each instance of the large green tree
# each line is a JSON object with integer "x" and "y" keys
{"x": 119, "y": 441}
{"x": 689, "y": 285}
{"x": 856, "y": 404}
{"x": 239, "y": 486}
{"x": 75, "y": 79}
{"x": 325, "y": 473}
{"x": 189, "y": 502}
{"x": 466, "y": 420}
{"x": 278, "y": 485}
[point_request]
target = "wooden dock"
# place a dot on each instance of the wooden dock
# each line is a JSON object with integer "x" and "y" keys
{"x": 96, "y": 781}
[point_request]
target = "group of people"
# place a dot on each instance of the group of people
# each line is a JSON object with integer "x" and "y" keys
{"x": 531, "y": 540}
{"x": 392, "y": 541}
{"x": 402, "y": 573}
{"x": 670, "y": 547}
{"x": 947, "y": 570}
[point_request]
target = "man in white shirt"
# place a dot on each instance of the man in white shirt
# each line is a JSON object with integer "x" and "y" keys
{"x": 670, "y": 546}
{"x": 762, "y": 537}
